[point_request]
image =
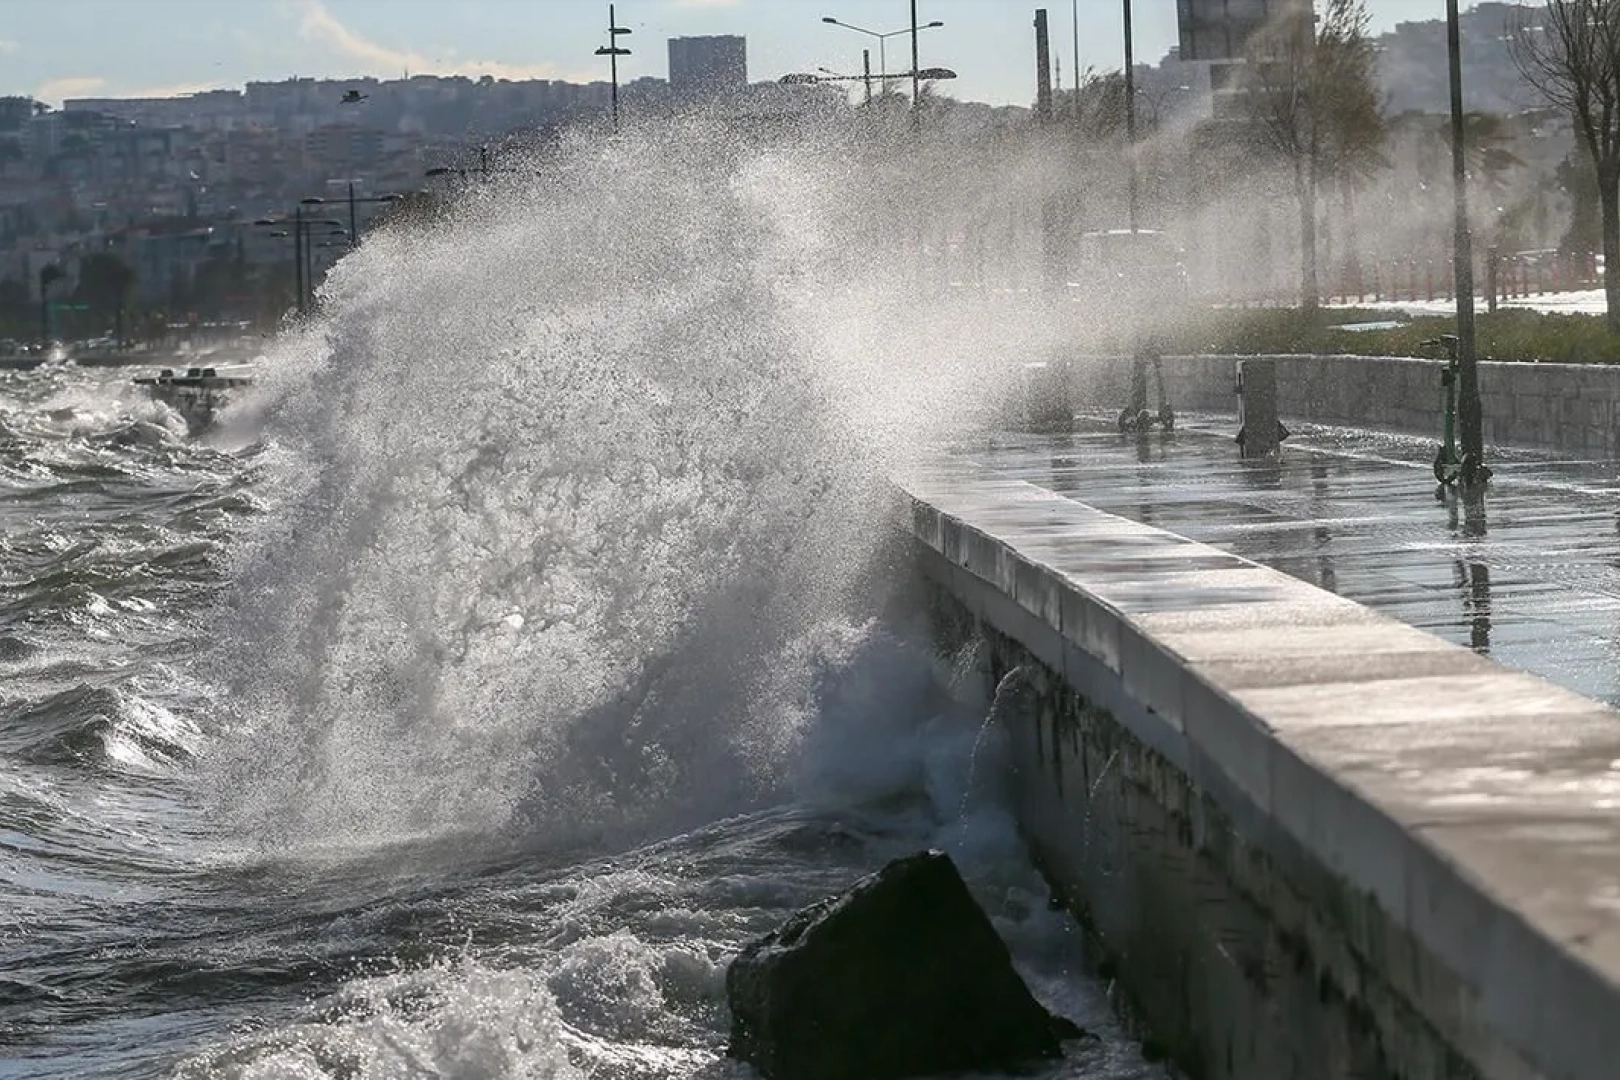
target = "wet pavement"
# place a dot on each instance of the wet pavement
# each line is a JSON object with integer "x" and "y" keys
{"x": 1528, "y": 573}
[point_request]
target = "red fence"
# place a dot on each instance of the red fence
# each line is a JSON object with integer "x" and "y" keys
{"x": 1502, "y": 277}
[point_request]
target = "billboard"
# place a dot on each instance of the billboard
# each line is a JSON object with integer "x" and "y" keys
{"x": 1219, "y": 29}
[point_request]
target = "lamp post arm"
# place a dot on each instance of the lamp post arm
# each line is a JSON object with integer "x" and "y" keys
{"x": 857, "y": 29}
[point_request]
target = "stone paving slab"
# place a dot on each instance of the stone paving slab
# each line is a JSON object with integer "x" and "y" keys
{"x": 1529, "y": 575}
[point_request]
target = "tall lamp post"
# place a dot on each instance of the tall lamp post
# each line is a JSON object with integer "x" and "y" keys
{"x": 303, "y": 273}
{"x": 1130, "y": 119}
{"x": 1074, "y": 12}
{"x": 298, "y": 270}
{"x": 1470, "y": 419}
{"x": 916, "y": 81}
{"x": 883, "y": 61}
{"x": 296, "y": 231}
{"x": 612, "y": 50}
{"x": 354, "y": 228}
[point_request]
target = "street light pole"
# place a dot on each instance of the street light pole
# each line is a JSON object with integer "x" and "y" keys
{"x": 612, "y": 51}
{"x": 1075, "y": 15}
{"x": 916, "y": 80}
{"x": 613, "y": 67}
{"x": 309, "y": 263}
{"x": 354, "y": 201}
{"x": 1469, "y": 410}
{"x": 1130, "y": 117}
{"x": 866, "y": 72}
{"x": 298, "y": 256}
{"x": 882, "y": 39}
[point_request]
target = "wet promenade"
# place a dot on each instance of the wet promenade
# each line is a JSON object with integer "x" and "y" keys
{"x": 1529, "y": 574}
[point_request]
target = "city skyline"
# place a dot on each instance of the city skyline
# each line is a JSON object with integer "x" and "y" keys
{"x": 59, "y": 49}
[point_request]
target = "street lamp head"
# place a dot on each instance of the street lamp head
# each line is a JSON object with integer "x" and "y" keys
{"x": 267, "y": 221}
{"x": 829, "y": 19}
{"x": 930, "y": 26}
{"x": 440, "y": 170}
{"x": 798, "y": 78}
{"x": 312, "y": 200}
{"x": 393, "y": 197}
{"x": 618, "y": 29}
{"x": 936, "y": 73}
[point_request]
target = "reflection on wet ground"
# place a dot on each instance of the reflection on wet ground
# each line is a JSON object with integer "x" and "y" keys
{"x": 1528, "y": 573}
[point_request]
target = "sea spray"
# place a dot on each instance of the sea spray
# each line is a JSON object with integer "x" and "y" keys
{"x": 558, "y": 481}
{"x": 566, "y": 653}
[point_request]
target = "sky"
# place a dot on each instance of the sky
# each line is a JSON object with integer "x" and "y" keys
{"x": 55, "y": 49}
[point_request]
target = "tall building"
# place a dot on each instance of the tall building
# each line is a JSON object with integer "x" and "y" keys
{"x": 707, "y": 68}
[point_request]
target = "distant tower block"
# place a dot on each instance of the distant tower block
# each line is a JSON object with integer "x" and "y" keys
{"x": 704, "y": 69}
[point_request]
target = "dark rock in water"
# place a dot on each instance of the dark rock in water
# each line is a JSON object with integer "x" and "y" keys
{"x": 901, "y": 976}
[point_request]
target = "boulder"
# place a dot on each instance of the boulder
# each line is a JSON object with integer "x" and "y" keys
{"x": 902, "y": 975}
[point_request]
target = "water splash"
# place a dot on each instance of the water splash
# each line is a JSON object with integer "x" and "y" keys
{"x": 562, "y": 480}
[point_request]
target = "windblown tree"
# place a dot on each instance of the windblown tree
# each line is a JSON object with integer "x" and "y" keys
{"x": 15, "y": 307}
{"x": 1570, "y": 52}
{"x": 1577, "y": 181}
{"x": 49, "y": 275}
{"x": 1096, "y": 107}
{"x": 1494, "y": 170}
{"x": 104, "y": 284}
{"x": 1310, "y": 99}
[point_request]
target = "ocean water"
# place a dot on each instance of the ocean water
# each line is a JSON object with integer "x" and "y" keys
{"x": 531, "y": 638}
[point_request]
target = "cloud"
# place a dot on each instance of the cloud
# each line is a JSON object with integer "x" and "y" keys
{"x": 56, "y": 90}
{"x": 8, "y": 47}
{"x": 318, "y": 24}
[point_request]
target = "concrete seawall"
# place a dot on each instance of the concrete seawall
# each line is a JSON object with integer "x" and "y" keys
{"x": 1309, "y": 841}
{"x": 1572, "y": 407}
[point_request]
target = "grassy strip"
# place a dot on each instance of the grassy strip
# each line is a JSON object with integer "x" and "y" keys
{"x": 1506, "y": 335}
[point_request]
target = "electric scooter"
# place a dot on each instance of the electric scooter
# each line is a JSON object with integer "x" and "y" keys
{"x": 1135, "y": 416}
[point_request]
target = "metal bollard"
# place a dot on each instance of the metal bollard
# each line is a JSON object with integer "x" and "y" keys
{"x": 1260, "y": 432}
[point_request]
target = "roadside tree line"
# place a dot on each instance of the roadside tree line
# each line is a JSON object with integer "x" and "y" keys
{"x": 1305, "y": 116}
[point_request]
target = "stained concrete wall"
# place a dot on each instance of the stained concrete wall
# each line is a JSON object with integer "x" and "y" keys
{"x": 1309, "y": 841}
{"x": 1571, "y": 407}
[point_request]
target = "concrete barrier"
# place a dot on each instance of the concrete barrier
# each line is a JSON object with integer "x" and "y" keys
{"x": 1570, "y": 407}
{"x": 1308, "y": 841}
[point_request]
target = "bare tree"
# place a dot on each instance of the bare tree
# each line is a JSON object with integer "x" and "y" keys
{"x": 1309, "y": 94}
{"x": 1570, "y": 51}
